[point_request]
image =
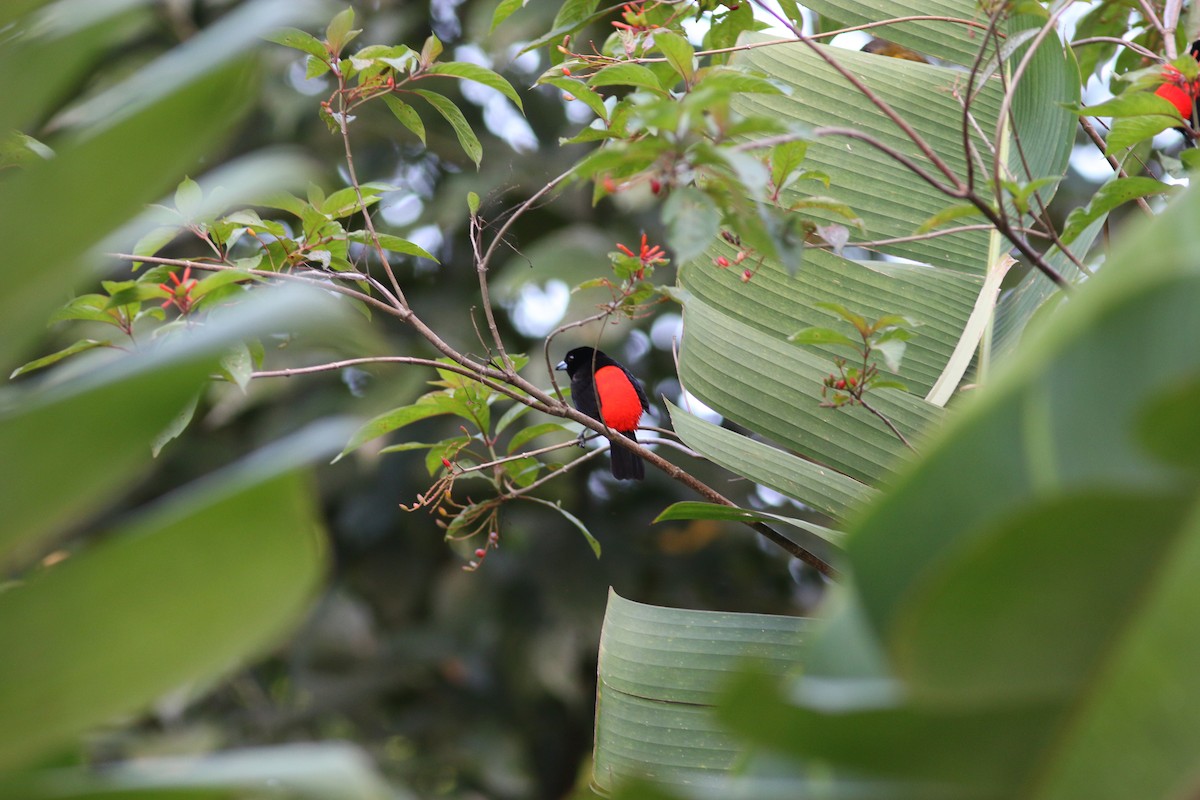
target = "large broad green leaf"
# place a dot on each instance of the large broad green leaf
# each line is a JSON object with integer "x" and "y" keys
{"x": 820, "y": 487}
{"x": 182, "y": 592}
{"x": 938, "y": 302}
{"x": 1032, "y": 578}
{"x": 88, "y": 422}
{"x": 890, "y": 199}
{"x": 774, "y": 388}
{"x": 948, "y": 40}
{"x": 660, "y": 670}
{"x": 731, "y": 322}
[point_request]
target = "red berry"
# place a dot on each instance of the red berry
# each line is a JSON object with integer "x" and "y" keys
{"x": 655, "y": 185}
{"x": 480, "y": 553}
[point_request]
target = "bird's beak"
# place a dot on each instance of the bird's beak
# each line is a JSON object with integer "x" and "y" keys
{"x": 562, "y": 365}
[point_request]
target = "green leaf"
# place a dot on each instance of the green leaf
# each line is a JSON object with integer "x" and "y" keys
{"x": 45, "y": 361}
{"x": 774, "y": 388}
{"x": 340, "y": 30}
{"x": 175, "y": 427}
{"x": 660, "y": 672}
{"x": 950, "y": 213}
{"x": 299, "y": 40}
{"x": 1109, "y": 196}
{"x": 462, "y": 129}
{"x": 1128, "y": 132}
{"x": 678, "y": 51}
{"x": 1132, "y": 104}
{"x": 625, "y": 74}
{"x": 525, "y": 435}
{"x": 427, "y": 406}
{"x": 503, "y": 11}
{"x": 819, "y": 487}
{"x": 478, "y": 74}
{"x": 823, "y": 336}
{"x": 815, "y": 538}
{"x": 786, "y": 158}
{"x": 571, "y": 518}
{"x": 188, "y": 198}
{"x": 136, "y": 139}
{"x": 692, "y": 221}
{"x": 109, "y": 446}
{"x": 407, "y": 115}
{"x": 580, "y": 92}
{"x": 233, "y": 560}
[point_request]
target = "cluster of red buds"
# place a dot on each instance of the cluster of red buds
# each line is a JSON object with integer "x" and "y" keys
{"x": 493, "y": 542}
{"x": 742, "y": 254}
{"x": 181, "y": 292}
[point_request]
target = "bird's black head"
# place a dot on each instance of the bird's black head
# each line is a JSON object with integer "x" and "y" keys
{"x": 582, "y": 358}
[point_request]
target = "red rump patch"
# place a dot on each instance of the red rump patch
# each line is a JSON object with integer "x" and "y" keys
{"x": 620, "y": 405}
{"x": 1178, "y": 97}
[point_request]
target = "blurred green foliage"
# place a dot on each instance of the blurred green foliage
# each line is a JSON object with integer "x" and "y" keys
{"x": 457, "y": 684}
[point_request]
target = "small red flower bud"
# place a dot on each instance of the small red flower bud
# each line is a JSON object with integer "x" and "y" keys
{"x": 655, "y": 185}
{"x": 493, "y": 537}
{"x": 746, "y": 276}
{"x": 446, "y": 463}
{"x": 480, "y": 553}
{"x": 566, "y": 72}
{"x": 839, "y": 384}
{"x": 722, "y": 262}
{"x": 609, "y": 185}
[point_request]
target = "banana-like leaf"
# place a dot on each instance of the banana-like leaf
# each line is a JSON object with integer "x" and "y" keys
{"x": 774, "y": 388}
{"x": 660, "y": 671}
{"x": 954, "y": 39}
{"x": 1032, "y": 578}
{"x": 886, "y": 195}
{"x": 819, "y": 487}
{"x": 938, "y": 301}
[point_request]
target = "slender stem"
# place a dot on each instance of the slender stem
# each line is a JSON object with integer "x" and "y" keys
{"x": 1102, "y": 146}
{"x": 344, "y": 127}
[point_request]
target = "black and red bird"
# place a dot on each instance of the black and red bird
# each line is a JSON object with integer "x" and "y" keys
{"x": 604, "y": 390}
{"x": 1182, "y": 93}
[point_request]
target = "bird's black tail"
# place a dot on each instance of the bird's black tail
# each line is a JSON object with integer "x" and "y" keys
{"x": 627, "y": 465}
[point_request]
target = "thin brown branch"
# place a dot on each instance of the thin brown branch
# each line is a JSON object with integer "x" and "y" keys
{"x": 1102, "y": 146}
{"x": 1137, "y": 48}
{"x": 457, "y": 369}
{"x": 1151, "y": 17}
{"x": 344, "y": 127}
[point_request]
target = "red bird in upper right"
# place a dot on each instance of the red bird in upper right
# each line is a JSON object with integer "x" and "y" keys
{"x": 1180, "y": 92}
